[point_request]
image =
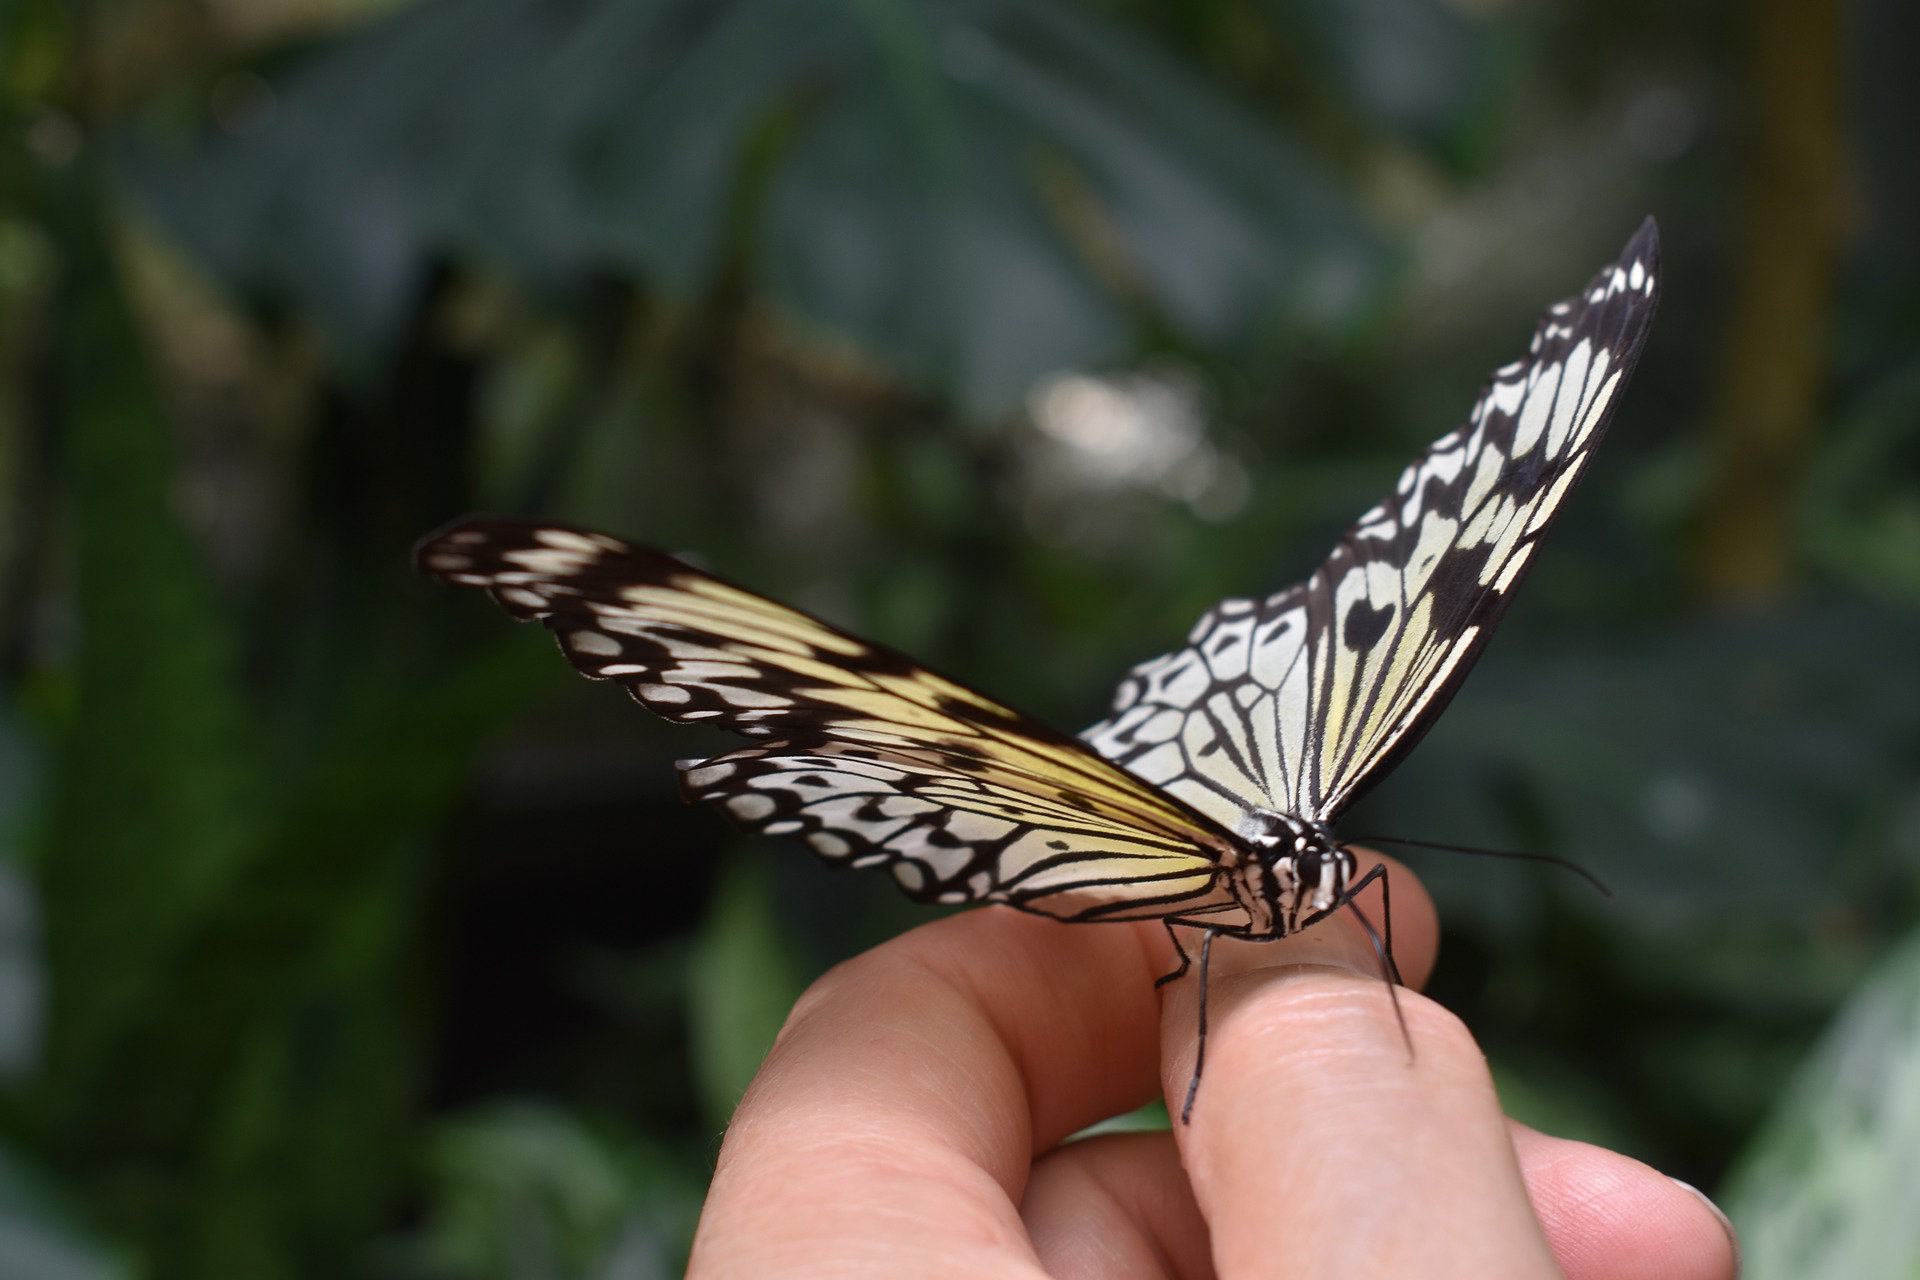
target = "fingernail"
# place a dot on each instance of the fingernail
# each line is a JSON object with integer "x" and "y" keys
{"x": 1726, "y": 1224}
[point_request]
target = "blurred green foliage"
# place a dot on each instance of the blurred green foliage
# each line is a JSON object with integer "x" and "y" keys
{"x": 343, "y": 931}
{"x": 1827, "y": 1187}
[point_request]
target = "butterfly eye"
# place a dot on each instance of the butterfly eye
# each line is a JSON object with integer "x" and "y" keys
{"x": 1323, "y": 877}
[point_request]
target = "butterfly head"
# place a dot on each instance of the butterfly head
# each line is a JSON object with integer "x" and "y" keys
{"x": 1307, "y": 873}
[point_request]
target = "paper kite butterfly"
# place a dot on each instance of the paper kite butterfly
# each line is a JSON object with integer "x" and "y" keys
{"x": 1207, "y": 798}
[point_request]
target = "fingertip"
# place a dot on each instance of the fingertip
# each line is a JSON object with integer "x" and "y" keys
{"x": 1609, "y": 1215}
{"x": 1308, "y": 1081}
{"x": 1719, "y": 1216}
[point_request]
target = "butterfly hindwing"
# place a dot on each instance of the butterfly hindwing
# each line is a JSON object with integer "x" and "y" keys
{"x": 1300, "y": 701}
{"x": 951, "y": 832}
{"x": 868, "y": 756}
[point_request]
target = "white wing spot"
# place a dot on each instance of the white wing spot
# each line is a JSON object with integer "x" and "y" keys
{"x": 545, "y": 564}
{"x": 595, "y": 643}
{"x": 567, "y": 540}
{"x": 752, "y": 807}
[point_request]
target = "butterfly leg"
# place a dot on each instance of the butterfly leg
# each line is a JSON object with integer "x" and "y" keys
{"x": 1382, "y": 948}
{"x": 1200, "y": 1053}
{"x": 1382, "y": 941}
{"x": 1186, "y": 961}
{"x": 1386, "y": 923}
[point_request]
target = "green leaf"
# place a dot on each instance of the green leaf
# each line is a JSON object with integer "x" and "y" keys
{"x": 975, "y": 192}
{"x": 1831, "y": 1185}
{"x": 41, "y": 1237}
{"x": 301, "y": 1031}
{"x": 531, "y": 1191}
{"x": 1418, "y": 65}
{"x": 741, "y": 983}
{"x": 155, "y": 791}
{"x": 1860, "y": 511}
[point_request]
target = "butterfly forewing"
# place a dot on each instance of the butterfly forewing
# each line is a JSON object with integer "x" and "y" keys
{"x": 868, "y": 756}
{"x": 1298, "y": 702}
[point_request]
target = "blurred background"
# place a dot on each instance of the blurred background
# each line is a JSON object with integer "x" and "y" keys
{"x": 344, "y": 931}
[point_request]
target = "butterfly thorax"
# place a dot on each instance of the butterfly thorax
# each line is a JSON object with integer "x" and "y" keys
{"x": 1296, "y": 873}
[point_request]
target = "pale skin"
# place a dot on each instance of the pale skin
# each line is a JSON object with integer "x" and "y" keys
{"x": 910, "y": 1122}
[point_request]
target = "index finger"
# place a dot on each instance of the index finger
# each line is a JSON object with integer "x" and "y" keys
{"x": 1320, "y": 1146}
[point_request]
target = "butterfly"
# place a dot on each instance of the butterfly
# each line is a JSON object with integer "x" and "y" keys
{"x": 1207, "y": 798}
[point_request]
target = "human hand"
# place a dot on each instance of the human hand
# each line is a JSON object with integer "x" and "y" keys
{"x": 909, "y": 1123}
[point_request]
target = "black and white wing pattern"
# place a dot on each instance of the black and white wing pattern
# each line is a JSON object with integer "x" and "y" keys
{"x": 1297, "y": 703}
{"x": 1206, "y": 798}
{"x": 869, "y": 757}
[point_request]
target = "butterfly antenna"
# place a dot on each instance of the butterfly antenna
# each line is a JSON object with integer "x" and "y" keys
{"x": 1563, "y": 863}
